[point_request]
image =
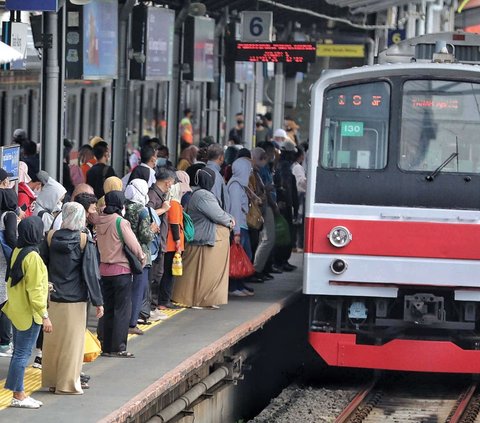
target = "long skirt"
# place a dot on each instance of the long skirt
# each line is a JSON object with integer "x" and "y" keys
{"x": 63, "y": 348}
{"x": 205, "y": 273}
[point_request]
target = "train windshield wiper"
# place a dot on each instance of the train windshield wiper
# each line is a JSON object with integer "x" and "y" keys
{"x": 431, "y": 177}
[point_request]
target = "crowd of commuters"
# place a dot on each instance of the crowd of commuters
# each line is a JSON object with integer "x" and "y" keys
{"x": 111, "y": 242}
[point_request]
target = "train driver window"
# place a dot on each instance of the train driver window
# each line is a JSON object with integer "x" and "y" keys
{"x": 355, "y": 126}
{"x": 440, "y": 126}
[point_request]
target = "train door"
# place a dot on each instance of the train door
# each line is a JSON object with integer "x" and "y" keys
{"x": 73, "y": 118}
{"x": 16, "y": 112}
{"x": 106, "y": 123}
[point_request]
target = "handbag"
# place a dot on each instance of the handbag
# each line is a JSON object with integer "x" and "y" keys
{"x": 254, "y": 216}
{"x": 188, "y": 228}
{"x": 135, "y": 264}
{"x": 240, "y": 265}
{"x": 92, "y": 348}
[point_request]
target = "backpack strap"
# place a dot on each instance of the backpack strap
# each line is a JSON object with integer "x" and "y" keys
{"x": 83, "y": 239}
{"x": 119, "y": 229}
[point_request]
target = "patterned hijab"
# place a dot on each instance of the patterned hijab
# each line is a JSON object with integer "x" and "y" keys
{"x": 137, "y": 192}
{"x": 73, "y": 216}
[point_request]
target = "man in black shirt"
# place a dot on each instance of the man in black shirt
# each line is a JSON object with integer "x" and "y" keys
{"x": 101, "y": 170}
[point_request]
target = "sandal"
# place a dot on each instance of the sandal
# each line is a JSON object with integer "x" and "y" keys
{"x": 122, "y": 354}
{"x": 52, "y": 389}
{"x": 105, "y": 354}
{"x": 85, "y": 385}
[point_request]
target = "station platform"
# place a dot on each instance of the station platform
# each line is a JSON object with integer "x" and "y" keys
{"x": 164, "y": 355}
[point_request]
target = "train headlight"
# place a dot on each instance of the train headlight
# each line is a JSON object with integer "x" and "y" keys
{"x": 339, "y": 236}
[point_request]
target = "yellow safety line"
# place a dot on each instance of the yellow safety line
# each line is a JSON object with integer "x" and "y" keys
{"x": 33, "y": 376}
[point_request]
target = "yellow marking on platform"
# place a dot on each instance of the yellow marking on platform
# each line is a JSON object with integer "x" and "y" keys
{"x": 33, "y": 377}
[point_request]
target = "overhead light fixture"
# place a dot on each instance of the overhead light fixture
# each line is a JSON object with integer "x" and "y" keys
{"x": 197, "y": 9}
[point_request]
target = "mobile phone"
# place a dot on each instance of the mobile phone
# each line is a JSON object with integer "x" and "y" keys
{"x": 24, "y": 207}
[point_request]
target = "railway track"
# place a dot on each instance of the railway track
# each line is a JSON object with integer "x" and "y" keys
{"x": 381, "y": 402}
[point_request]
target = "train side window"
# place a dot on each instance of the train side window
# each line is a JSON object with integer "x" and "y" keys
{"x": 355, "y": 127}
{"x": 440, "y": 125}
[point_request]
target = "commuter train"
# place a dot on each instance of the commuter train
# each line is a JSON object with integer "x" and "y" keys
{"x": 392, "y": 243}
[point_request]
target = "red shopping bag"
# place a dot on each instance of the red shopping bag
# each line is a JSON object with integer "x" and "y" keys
{"x": 240, "y": 265}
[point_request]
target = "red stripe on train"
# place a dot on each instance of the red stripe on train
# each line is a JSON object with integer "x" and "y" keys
{"x": 396, "y": 239}
{"x": 341, "y": 349}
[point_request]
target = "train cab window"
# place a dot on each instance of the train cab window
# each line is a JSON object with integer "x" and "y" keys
{"x": 355, "y": 127}
{"x": 440, "y": 126}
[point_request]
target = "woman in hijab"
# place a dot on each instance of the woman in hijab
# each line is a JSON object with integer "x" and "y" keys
{"x": 26, "y": 307}
{"x": 145, "y": 229}
{"x": 188, "y": 157}
{"x": 239, "y": 205}
{"x": 111, "y": 184}
{"x": 175, "y": 244}
{"x": 186, "y": 189}
{"x": 49, "y": 203}
{"x": 73, "y": 270}
{"x": 231, "y": 154}
{"x": 8, "y": 241}
{"x": 116, "y": 275}
{"x": 203, "y": 285}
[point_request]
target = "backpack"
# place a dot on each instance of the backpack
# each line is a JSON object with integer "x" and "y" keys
{"x": 76, "y": 175}
{"x": 155, "y": 244}
{"x": 83, "y": 239}
{"x": 7, "y": 250}
{"x": 188, "y": 228}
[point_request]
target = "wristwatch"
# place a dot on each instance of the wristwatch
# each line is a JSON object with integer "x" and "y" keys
{"x": 45, "y": 316}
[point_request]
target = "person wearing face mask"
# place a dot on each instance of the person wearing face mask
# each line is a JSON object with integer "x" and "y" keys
{"x": 115, "y": 272}
{"x": 145, "y": 170}
{"x": 162, "y": 157}
{"x": 49, "y": 202}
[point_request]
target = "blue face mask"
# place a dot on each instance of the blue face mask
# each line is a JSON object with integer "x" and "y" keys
{"x": 161, "y": 161}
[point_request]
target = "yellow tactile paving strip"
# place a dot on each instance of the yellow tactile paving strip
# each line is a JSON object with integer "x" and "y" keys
{"x": 33, "y": 377}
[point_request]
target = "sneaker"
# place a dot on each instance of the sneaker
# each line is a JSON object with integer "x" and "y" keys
{"x": 27, "y": 402}
{"x": 135, "y": 331}
{"x": 6, "y": 350}
{"x": 157, "y": 315}
{"x": 37, "y": 363}
{"x": 237, "y": 293}
{"x": 37, "y": 401}
{"x": 248, "y": 293}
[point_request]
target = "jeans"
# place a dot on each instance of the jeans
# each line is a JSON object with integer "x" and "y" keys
{"x": 267, "y": 241}
{"x": 165, "y": 290}
{"x": 117, "y": 298}
{"x": 23, "y": 343}
{"x": 139, "y": 287}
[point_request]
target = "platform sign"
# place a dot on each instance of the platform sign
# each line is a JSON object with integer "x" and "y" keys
{"x": 34, "y": 5}
{"x": 257, "y": 26}
{"x": 275, "y": 52}
{"x": 198, "y": 49}
{"x": 9, "y": 160}
{"x": 160, "y": 34}
{"x": 15, "y": 35}
{"x": 100, "y": 39}
{"x": 341, "y": 50}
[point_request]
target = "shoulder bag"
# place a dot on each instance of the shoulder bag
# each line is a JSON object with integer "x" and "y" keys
{"x": 135, "y": 264}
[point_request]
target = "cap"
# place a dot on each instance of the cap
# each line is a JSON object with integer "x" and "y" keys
{"x": 4, "y": 174}
{"x": 42, "y": 177}
{"x": 280, "y": 133}
{"x": 19, "y": 134}
{"x": 23, "y": 173}
{"x": 289, "y": 146}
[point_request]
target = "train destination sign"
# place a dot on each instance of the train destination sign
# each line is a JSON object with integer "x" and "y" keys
{"x": 276, "y": 52}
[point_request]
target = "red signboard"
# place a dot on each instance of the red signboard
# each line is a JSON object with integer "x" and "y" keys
{"x": 276, "y": 52}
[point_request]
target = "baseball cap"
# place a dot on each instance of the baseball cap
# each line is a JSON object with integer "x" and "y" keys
{"x": 289, "y": 146}
{"x": 4, "y": 174}
{"x": 280, "y": 133}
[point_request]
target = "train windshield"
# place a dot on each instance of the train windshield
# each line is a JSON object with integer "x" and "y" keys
{"x": 355, "y": 130}
{"x": 440, "y": 125}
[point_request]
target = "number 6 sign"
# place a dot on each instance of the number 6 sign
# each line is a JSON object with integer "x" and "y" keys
{"x": 257, "y": 26}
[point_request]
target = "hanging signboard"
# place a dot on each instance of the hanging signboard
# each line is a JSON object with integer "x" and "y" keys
{"x": 34, "y": 5}
{"x": 100, "y": 39}
{"x": 9, "y": 160}
{"x": 198, "y": 49}
{"x": 341, "y": 50}
{"x": 152, "y": 43}
{"x": 257, "y": 26}
{"x": 15, "y": 35}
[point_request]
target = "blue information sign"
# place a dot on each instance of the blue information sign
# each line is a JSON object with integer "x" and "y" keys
{"x": 10, "y": 158}
{"x": 34, "y": 5}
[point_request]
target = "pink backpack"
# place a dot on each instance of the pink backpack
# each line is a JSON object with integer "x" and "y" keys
{"x": 76, "y": 175}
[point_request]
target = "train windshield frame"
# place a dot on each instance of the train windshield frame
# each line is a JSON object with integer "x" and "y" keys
{"x": 356, "y": 125}
{"x": 440, "y": 120}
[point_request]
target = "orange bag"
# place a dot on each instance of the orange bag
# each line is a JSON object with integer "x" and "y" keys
{"x": 92, "y": 347}
{"x": 240, "y": 265}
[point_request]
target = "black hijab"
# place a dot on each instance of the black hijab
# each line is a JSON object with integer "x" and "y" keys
{"x": 115, "y": 200}
{"x": 205, "y": 178}
{"x": 30, "y": 234}
{"x": 8, "y": 200}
